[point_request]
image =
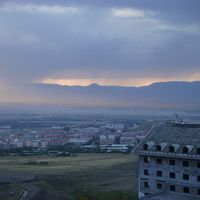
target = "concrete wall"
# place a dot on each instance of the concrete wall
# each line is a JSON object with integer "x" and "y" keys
{"x": 165, "y": 180}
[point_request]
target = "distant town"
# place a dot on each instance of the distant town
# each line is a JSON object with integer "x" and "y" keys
{"x": 60, "y": 136}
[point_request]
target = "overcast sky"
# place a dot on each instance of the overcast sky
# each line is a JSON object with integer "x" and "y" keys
{"x": 110, "y": 42}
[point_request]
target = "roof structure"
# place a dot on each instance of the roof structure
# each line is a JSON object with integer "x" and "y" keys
{"x": 172, "y": 139}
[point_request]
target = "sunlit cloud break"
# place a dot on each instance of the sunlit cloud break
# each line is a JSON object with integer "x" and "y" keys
{"x": 38, "y": 9}
{"x": 131, "y": 13}
{"x": 99, "y": 81}
{"x": 128, "y": 82}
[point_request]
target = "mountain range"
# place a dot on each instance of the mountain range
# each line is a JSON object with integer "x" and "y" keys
{"x": 183, "y": 96}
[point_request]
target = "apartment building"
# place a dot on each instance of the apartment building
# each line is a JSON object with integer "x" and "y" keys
{"x": 169, "y": 162}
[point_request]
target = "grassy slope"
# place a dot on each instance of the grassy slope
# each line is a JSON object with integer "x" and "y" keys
{"x": 87, "y": 176}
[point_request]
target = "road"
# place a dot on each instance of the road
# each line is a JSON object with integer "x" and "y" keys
{"x": 25, "y": 194}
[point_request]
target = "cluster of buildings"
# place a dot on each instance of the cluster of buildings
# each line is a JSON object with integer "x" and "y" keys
{"x": 108, "y": 137}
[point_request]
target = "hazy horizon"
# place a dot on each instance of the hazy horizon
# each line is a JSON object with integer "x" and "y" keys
{"x": 129, "y": 43}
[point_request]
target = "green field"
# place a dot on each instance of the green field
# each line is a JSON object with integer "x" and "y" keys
{"x": 82, "y": 177}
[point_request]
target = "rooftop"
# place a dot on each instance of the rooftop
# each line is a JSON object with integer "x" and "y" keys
{"x": 172, "y": 139}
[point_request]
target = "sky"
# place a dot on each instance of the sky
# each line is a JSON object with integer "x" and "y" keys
{"x": 109, "y": 42}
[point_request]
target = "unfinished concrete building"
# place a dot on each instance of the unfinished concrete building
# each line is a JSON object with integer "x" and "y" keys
{"x": 169, "y": 162}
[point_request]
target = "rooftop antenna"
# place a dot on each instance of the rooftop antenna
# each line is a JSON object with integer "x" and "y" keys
{"x": 176, "y": 118}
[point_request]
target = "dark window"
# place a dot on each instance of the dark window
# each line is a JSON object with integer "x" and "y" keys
{"x": 185, "y": 176}
{"x": 159, "y": 186}
{"x": 171, "y": 149}
{"x": 146, "y": 172}
{"x": 186, "y": 189}
{"x": 198, "y": 191}
{"x": 171, "y": 162}
{"x": 146, "y": 184}
{"x": 158, "y": 148}
{"x": 198, "y": 150}
{"x": 159, "y": 173}
{"x": 172, "y": 175}
{"x": 198, "y": 164}
{"x": 145, "y": 147}
{"x": 146, "y": 159}
{"x": 185, "y": 150}
{"x": 198, "y": 178}
{"x": 185, "y": 163}
{"x": 159, "y": 161}
{"x": 172, "y": 188}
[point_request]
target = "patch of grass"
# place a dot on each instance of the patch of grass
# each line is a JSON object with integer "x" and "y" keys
{"x": 107, "y": 195}
{"x": 92, "y": 176}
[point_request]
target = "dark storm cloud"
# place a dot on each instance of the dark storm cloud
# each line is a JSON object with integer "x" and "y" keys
{"x": 97, "y": 38}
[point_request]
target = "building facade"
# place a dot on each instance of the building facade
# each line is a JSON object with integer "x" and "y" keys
{"x": 169, "y": 161}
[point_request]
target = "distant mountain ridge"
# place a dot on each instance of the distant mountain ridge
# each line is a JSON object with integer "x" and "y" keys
{"x": 184, "y": 96}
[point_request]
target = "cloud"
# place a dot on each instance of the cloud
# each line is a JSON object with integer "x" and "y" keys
{"x": 133, "y": 13}
{"x": 38, "y": 9}
{"x": 179, "y": 10}
{"x": 102, "y": 41}
{"x": 21, "y": 38}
